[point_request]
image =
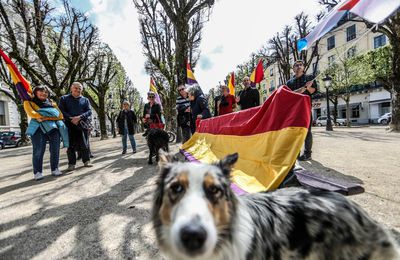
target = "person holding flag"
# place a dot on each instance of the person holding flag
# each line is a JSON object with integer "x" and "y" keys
{"x": 303, "y": 84}
{"x": 227, "y": 102}
{"x": 183, "y": 109}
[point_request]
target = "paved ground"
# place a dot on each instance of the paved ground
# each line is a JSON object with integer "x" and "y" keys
{"x": 103, "y": 212}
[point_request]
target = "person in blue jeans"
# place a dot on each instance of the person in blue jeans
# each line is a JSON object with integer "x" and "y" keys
{"x": 46, "y": 125}
{"x": 126, "y": 121}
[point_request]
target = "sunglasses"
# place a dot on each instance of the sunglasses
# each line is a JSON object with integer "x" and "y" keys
{"x": 151, "y": 96}
{"x": 298, "y": 65}
{"x": 181, "y": 89}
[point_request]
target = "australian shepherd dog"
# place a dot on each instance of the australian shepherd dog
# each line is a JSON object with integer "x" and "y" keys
{"x": 197, "y": 216}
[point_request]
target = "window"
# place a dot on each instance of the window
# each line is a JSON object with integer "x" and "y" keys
{"x": 315, "y": 67}
{"x": 379, "y": 41}
{"x": 384, "y": 108}
{"x": 330, "y": 42}
{"x": 2, "y": 113}
{"x": 331, "y": 60}
{"x": 351, "y": 52}
{"x": 355, "y": 111}
{"x": 272, "y": 84}
{"x": 271, "y": 72}
{"x": 351, "y": 32}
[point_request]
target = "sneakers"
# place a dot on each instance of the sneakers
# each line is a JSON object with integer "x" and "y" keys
{"x": 88, "y": 164}
{"x": 124, "y": 152}
{"x": 56, "y": 172}
{"x": 134, "y": 151}
{"x": 305, "y": 157}
{"x": 38, "y": 176}
{"x": 70, "y": 168}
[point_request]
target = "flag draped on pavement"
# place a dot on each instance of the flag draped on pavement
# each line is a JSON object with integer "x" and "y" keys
{"x": 374, "y": 11}
{"x": 190, "y": 79}
{"x": 258, "y": 74}
{"x": 154, "y": 89}
{"x": 21, "y": 84}
{"x": 268, "y": 139}
{"x": 231, "y": 84}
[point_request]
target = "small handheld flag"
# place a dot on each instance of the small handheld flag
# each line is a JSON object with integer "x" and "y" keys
{"x": 154, "y": 89}
{"x": 21, "y": 84}
{"x": 190, "y": 79}
{"x": 258, "y": 74}
{"x": 231, "y": 84}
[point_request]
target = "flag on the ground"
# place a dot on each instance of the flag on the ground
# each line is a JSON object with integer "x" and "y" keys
{"x": 268, "y": 139}
{"x": 21, "y": 84}
{"x": 231, "y": 84}
{"x": 190, "y": 79}
{"x": 258, "y": 74}
{"x": 154, "y": 89}
{"x": 374, "y": 11}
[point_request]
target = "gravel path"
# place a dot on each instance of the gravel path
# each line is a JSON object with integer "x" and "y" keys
{"x": 104, "y": 212}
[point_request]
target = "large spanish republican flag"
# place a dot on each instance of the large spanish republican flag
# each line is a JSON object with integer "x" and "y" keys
{"x": 21, "y": 84}
{"x": 268, "y": 139}
{"x": 190, "y": 79}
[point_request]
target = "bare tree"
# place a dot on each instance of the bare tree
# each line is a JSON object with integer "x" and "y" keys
{"x": 390, "y": 28}
{"x": 106, "y": 69}
{"x": 55, "y": 48}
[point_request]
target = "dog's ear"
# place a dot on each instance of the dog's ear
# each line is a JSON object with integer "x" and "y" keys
{"x": 165, "y": 157}
{"x": 227, "y": 163}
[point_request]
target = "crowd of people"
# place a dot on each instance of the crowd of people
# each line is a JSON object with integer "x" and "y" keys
{"x": 70, "y": 120}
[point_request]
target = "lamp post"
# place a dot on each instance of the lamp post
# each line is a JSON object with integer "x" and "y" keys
{"x": 327, "y": 81}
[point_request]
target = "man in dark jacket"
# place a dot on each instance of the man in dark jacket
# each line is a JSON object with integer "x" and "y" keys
{"x": 248, "y": 97}
{"x": 304, "y": 84}
{"x": 183, "y": 117}
{"x": 198, "y": 105}
{"x": 77, "y": 113}
{"x": 126, "y": 121}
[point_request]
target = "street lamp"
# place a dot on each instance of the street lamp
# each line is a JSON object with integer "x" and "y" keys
{"x": 327, "y": 81}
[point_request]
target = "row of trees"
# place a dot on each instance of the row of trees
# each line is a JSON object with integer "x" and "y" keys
{"x": 54, "y": 47}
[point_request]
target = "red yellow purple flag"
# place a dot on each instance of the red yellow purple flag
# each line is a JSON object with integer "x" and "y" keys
{"x": 190, "y": 79}
{"x": 268, "y": 139}
{"x": 21, "y": 84}
{"x": 154, "y": 89}
{"x": 258, "y": 74}
{"x": 231, "y": 84}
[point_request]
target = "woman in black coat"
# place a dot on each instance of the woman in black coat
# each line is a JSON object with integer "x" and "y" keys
{"x": 126, "y": 121}
{"x": 198, "y": 104}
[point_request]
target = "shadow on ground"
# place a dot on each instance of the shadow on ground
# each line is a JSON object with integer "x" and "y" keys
{"x": 36, "y": 237}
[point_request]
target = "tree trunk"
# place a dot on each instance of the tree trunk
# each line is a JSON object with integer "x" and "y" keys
{"x": 181, "y": 50}
{"x": 23, "y": 125}
{"x": 102, "y": 120}
{"x": 395, "y": 122}
{"x": 348, "y": 112}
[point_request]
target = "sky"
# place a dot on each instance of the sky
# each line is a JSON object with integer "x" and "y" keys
{"x": 235, "y": 29}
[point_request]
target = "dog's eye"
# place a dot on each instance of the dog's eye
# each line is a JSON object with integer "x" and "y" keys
{"x": 177, "y": 188}
{"x": 214, "y": 191}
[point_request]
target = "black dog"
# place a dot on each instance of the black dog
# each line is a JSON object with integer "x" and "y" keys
{"x": 157, "y": 139}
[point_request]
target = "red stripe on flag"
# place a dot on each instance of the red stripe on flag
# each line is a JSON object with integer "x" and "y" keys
{"x": 284, "y": 108}
{"x": 348, "y": 5}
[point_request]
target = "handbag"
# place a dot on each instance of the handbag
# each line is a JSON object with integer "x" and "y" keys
{"x": 86, "y": 124}
{"x": 158, "y": 125}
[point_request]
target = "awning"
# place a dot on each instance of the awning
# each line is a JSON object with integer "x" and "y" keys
{"x": 380, "y": 101}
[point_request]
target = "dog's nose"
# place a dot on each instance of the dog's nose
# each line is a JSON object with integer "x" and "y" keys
{"x": 193, "y": 237}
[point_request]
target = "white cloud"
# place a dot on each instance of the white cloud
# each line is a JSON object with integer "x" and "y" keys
{"x": 234, "y": 31}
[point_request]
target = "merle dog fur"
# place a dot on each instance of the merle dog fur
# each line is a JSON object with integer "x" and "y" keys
{"x": 156, "y": 139}
{"x": 290, "y": 223}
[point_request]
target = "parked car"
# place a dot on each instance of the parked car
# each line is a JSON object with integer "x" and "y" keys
{"x": 321, "y": 121}
{"x": 10, "y": 138}
{"x": 1, "y": 144}
{"x": 385, "y": 119}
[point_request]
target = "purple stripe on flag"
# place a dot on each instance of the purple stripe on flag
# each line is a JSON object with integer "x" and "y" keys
{"x": 191, "y": 81}
{"x": 23, "y": 94}
{"x": 234, "y": 187}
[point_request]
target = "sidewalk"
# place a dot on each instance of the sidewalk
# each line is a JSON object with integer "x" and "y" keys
{"x": 104, "y": 212}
